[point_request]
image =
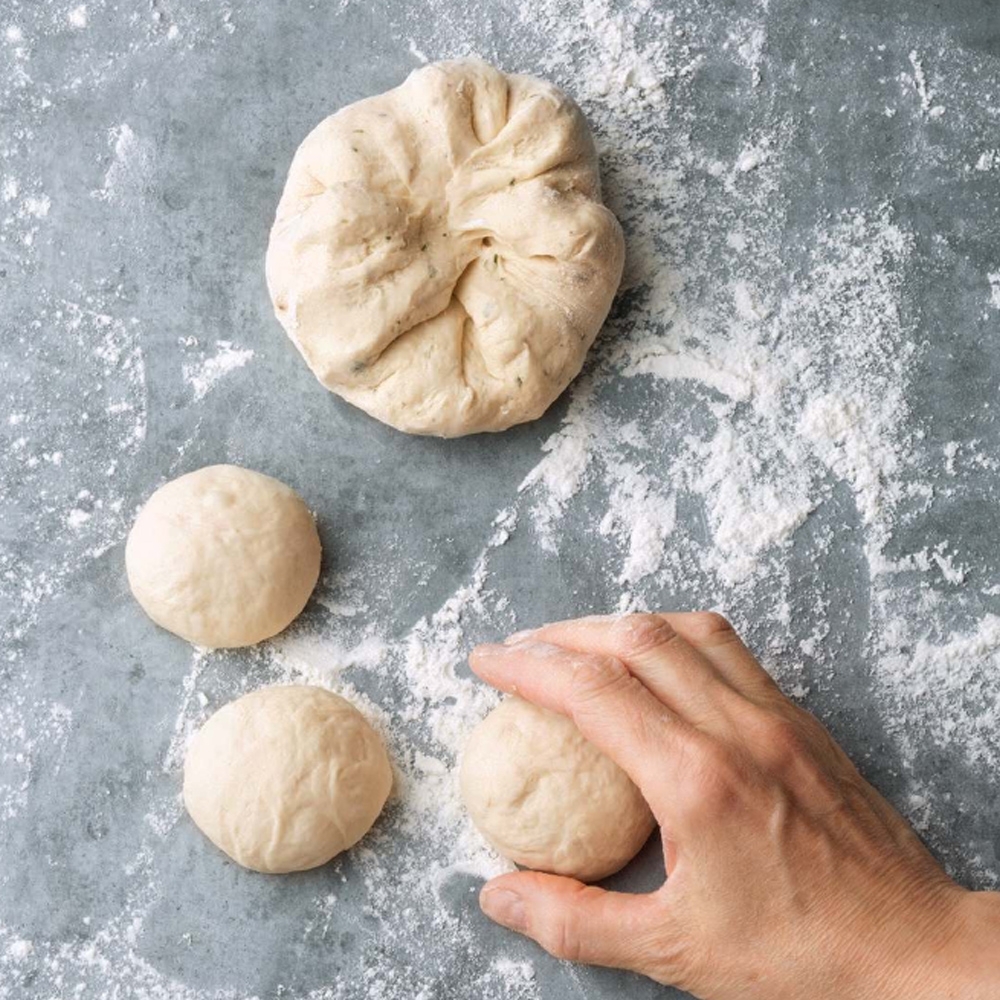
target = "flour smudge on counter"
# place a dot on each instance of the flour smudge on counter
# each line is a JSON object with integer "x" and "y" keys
{"x": 204, "y": 374}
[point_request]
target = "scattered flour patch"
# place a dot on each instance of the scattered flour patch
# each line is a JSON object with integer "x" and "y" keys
{"x": 203, "y": 376}
{"x": 837, "y": 428}
{"x": 953, "y": 574}
{"x": 988, "y": 160}
{"x": 994, "y": 279}
{"x": 19, "y": 949}
{"x": 751, "y": 157}
{"x": 948, "y": 689}
{"x": 641, "y": 517}
{"x": 919, "y": 82}
{"x": 559, "y": 476}
{"x": 37, "y": 207}
{"x": 751, "y": 52}
{"x": 950, "y": 451}
{"x": 505, "y": 524}
{"x": 749, "y": 304}
{"x": 77, "y": 518}
{"x": 190, "y": 713}
{"x": 688, "y": 363}
{"x": 131, "y": 159}
{"x": 322, "y": 661}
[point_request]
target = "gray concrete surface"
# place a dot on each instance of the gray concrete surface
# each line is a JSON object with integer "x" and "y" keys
{"x": 157, "y": 234}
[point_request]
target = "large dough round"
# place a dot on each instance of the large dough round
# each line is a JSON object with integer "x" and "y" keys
{"x": 546, "y": 798}
{"x": 441, "y": 256}
{"x": 223, "y": 556}
{"x": 285, "y": 778}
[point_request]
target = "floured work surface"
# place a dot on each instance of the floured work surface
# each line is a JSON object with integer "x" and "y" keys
{"x": 791, "y": 417}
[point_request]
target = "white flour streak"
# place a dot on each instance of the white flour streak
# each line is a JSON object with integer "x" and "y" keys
{"x": 191, "y": 709}
{"x": 753, "y": 156}
{"x": 950, "y": 687}
{"x": 920, "y": 82}
{"x": 130, "y": 163}
{"x": 994, "y": 279}
{"x": 926, "y": 95}
{"x": 203, "y": 375}
{"x": 560, "y": 474}
{"x": 988, "y": 160}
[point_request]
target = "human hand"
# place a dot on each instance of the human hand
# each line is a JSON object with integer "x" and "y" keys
{"x": 789, "y": 876}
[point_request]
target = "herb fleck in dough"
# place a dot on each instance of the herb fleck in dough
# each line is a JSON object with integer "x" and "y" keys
{"x": 441, "y": 256}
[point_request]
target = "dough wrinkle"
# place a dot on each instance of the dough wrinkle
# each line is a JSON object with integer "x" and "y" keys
{"x": 419, "y": 183}
{"x": 285, "y": 778}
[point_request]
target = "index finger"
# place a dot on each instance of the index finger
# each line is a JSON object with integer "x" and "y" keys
{"x": 610, "y": 707}
{"x": 685, "y": 657}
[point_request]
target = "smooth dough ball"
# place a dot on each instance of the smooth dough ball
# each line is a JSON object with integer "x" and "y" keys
{"x": 223, "y": 556}
{"x": 546, "y": 798}
{"x": 441, "y": 256}
{"x": 286, "y": 778}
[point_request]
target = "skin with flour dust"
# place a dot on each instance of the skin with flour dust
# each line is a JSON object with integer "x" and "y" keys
{"x": 789, "y": 876}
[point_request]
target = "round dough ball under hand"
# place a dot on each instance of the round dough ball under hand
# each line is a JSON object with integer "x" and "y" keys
{"x": 441, "y": 256}
{"x": 223, "y": 557}
{"x": 286, "y": 778}
{"x": 546, "y": 798}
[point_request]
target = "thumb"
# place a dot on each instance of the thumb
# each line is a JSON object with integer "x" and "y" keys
{"x": 570, "y": 920}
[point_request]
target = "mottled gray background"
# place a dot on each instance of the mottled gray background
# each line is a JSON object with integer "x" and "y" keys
{"x": 173, "y": 248}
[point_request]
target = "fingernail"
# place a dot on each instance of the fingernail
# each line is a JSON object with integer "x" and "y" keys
{"x": 505, "y": 907}
{"x": 520, "y": 636}
{"x": 489, "y": 649}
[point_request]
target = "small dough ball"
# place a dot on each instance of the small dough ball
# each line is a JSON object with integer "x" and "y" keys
{"x": 546, "y": 798}
{"x": 441, "y": 256}
{"x": 223, "y": 557}
{"x": 286, "y": 778}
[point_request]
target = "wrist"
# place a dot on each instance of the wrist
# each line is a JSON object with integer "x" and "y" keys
{"x": 964, "y": 963}
{"x": 975, "y": 952}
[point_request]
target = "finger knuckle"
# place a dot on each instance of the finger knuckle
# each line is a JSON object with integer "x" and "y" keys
{"x": 562, "y": 939}
{"x": 710, "y": 626}
{"x": 711, "y": 784}
{"x": 594, "y": 677}
{"x": 669, "y": 954}
{"x": 782, "y": 743}
{"x": 707, "y": 798}
{"x": 637, "y": 633}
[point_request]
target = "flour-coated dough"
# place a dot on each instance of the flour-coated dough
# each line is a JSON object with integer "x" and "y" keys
{"x": 441, "y": 256}
{"x": 286, "y": 778}
{"x": 223, "y": 556}
{"x": 546, "y": 798}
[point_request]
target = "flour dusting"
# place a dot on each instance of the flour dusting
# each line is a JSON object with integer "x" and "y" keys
{"x": 203, "y": 375}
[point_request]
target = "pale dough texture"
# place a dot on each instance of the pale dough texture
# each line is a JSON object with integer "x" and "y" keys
{"x": 546, "y": 798}
{"x": 286, "y": 778}
{"x": 441, "y": 256}
{"x": 223, "y": 556}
